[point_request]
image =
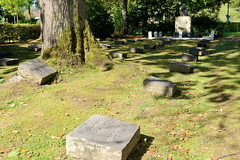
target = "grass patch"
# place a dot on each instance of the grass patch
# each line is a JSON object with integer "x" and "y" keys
{"x": 231, "y": 34}
{"x": 201, "y": 123}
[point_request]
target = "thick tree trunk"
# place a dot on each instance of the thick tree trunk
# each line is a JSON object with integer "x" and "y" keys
{"x": 125, "y": 16}
{"x": 62, "y": 25}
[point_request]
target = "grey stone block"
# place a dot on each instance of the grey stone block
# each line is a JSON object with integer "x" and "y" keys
{"x": 196, "y": 52}
{"x": 158, "y": 44}
{"x": 159, "y": 87}
{"x": 189, "y": 57}
{"x": 36, "y": 70}
{"x": 104, "y": 45}
{"x": 201, "y": 48}
{"x": 35, "y": 48}
{"x": 8, "y": 61}
{"x": 136, "y": 50}
{"x": 16, "y": 78}
{"x": 118, "y": 55}
{"x": 201, "y": 44}
{"x": 176, "y": 66}
{"x": 130, "y": 40}
{"x": 102, "y": 138}
{"x": 5, "y": 53}
{"x": 119, "y": 42}
{"x": 149, "y": 46}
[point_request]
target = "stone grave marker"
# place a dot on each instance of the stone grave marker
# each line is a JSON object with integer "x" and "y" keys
{"x": 205, "y": 41}
{"x": 34, "y": 48}
{"x": 189, "y": 57}
{"x": 102, "y": 138}
{"x": 36, "y": 70}
{"x": 118, "y": 55}
{"x": 196, "y": 52}
{"x": 158, "y": 44}
{"x": 138, "y": 39}
{"x": 8, "y": 61}
{"x": 109, "y": 39}
{"x": 201, "y": 48}
{"x": 136, "y": 50}
{"x": 119, "y": 42}
{"x": 201, "y": 44}
{"x": 166, "y": 41}
{"x": 176, "y": 66}
{"x": 149, "y": 46}
{"x": 159, "y": 86}
{"x": 104, "y": 45}
{"x": 5, "y": 53}
{"x": 130, "y": 40}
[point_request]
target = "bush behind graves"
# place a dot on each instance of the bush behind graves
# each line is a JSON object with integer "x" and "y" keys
{"x": 18, "y": 32}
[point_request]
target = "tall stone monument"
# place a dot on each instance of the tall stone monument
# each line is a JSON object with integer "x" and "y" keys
{"x": 183, "y": 24}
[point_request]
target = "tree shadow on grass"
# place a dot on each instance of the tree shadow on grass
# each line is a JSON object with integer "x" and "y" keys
{"x": 142, "y": 147}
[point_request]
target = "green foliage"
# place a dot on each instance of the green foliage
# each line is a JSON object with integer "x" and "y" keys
{"x": 99, "y": 19}
{"x": 205, "y": 24}
{"x": 18, "y": 32}
{"x": 233, "y": 27}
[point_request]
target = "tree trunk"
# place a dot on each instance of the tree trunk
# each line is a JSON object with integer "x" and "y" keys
{"x": 62, "y": 26}
{"x": 125, "y": 16}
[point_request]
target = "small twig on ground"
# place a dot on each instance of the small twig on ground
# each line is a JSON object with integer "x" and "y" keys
{"x": 233, "y": 154}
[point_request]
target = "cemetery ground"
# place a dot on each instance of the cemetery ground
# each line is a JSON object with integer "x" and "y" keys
{"x": 201, "y": 122}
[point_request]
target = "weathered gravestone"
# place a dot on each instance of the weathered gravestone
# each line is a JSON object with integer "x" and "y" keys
{"x": 189, "y": 57}
{"x": 104, "y": 45}
{"x": 201, "y": 48}
{"x": 166, "y": 41}
{"x": 5, "y": 53}
{"x": 36, "y": 70}
{"x": 34, "y": 48}
{"x": 8, "y": 61}
{"x": 136, "y": 50}
{"x": 205, "y": 41}
{"x": 149, "y": 46}
{"x": 119, "y": 42}
{"x": 175, "y": 66}
{"x": 201, "y": 44}
{"x": 159, "y": 86}
{"x": 196, "y": 52}
{"x": 102, "y": 138}
{"x": 130, "y": 40}
{"x": 118, "y": 55}
{"x": 158, "y": 44}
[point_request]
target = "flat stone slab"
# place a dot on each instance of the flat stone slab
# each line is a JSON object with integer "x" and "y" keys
{"x": 159, "y": 86}
{"x": 102, "y": 138}
{"x": 104, "y": 45}
{"x": 201, "y": 44}
{"x": 131, "y": 40}
{"x": 158, "y": 44}
{"x": 196, "y": 52}
{"x": 118, "y": 55}
{"x": 119, "y": 42}
{"x": 189, "y": 57}
{"x": 136, "y": 50}
{"x": 140, "y": 40}
{"x": 149, "y": 46}
{"x": 34, "y": 48}
{"x": 37, "y": 70}
{"x": 176, "y": 66}
{"x": 5, "y": 53}
{"x": 201, "y": 48}
{"x": 205, "y": 41}
{"x": 167, "y": 42}
{"x": 8, "y": 61}
{"x": 16, "y": 78}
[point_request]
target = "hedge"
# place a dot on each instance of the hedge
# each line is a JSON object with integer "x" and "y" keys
{"x": 233, "y": 27}
{"x": 19, "y": 32}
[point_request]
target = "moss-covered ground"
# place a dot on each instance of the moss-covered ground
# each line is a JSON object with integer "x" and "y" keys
{"x": 201, "y": 122}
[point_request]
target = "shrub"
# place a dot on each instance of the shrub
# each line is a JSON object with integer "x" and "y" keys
{"x": 18, "y": 32}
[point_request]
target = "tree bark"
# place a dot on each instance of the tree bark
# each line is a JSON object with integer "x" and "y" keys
{"x": 62, "y": 26}
{"x": 125, "y": 16}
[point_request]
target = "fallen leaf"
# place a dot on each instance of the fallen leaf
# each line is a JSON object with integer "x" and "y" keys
{"x": 151, "y": 152}
{"x": 170, "y": 157}
{"x": 29, "y": 156}
{"x": 214, "y": 158}
{"x": 171, "y": 127}
{"x": 195, "y": 154}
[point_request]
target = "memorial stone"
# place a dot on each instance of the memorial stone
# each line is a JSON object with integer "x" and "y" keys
{"x": 136, "y": 50}
{"x": 196, "y": 52}
{"x": 201, "y": 44}
{"x": 8, "y": 61}
{"x": 138, "y": 39}
{"x": 36, "y": 70}
{"x": 109, "y": 39}
{"x": 159, "y": 87}
{"x": 119, "y": 42}
{"x": 118, "y": 55}
{"x": 104, "y": 45}
{"x": 150, "y": 35}
{"x": 130, "y": 40}
{"x": 102, "y": 138}
{"x": 175, "y": 66}
{"x": 149, "y": 46}
{"x": 189, "y": 57}
{"x": 35, "y": 48}
{"x": 158, "y": 44}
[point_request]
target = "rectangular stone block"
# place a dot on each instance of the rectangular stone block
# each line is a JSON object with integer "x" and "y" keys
{"x": 131, "y": 40}
{"x": 176, "y": 66}
{"x": 5, "y": 53}
{"x": 118, "y": 55}
{"x": 8, "y": 61}
{"x": 136, "y": 50}
{"x": 159, "y": 86}
{"x": 102, "y": 138}
{"x": 189, "y": 57}
{"x": 119, "y": 42}
{"x": 138, "y": 39}
{"x": 201, "y": 44}
{"x": 149, "y": 46}
{"x": 104, "y": 45}
{"x": 35, "y": 48}
{"x": 196, "y": 52}
{"x": 201, "y": 48}
{"x": 205, "y": 41}
{"x": 36, "y": 70}
{"x": 158, "y": 44}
